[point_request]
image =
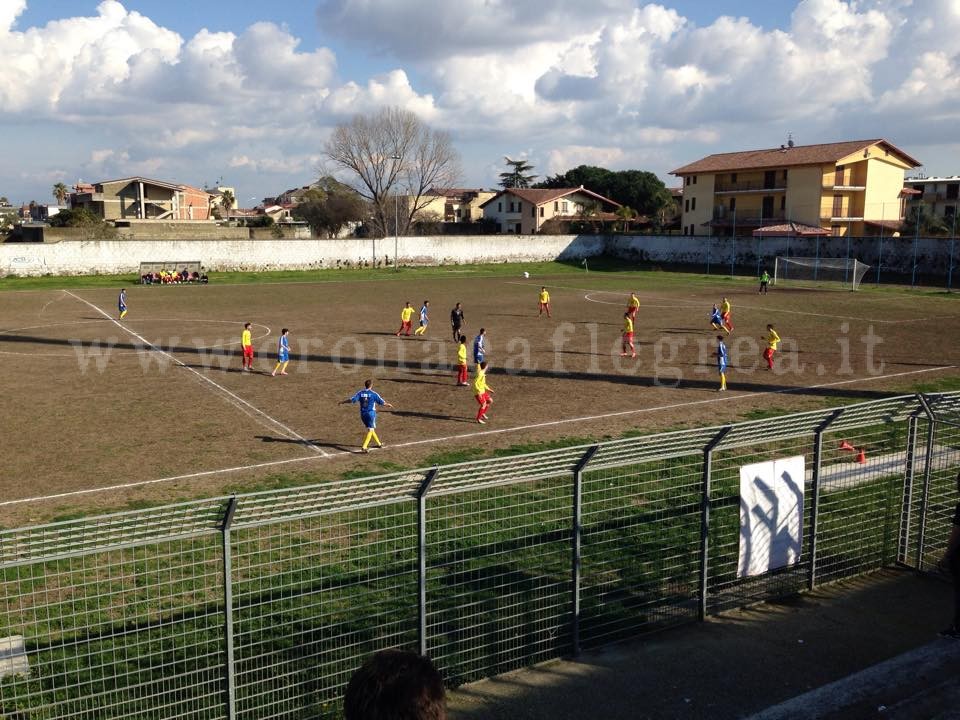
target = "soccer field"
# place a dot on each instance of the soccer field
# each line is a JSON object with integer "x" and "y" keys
{"x": 103, "y": 414}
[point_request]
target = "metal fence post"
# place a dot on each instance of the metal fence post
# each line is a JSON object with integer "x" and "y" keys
{"x": 422, "y": 557}
{"x": 228, "y": 667}
{"x": 576, "y": 540}
{"x": 925, "y": 494}
{"x": 705, "y": 517}
{"x": 815, "y": 493}
{"x": 907, "y": 502}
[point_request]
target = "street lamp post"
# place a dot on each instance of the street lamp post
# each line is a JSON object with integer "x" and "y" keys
{"x": 396, "y": 218}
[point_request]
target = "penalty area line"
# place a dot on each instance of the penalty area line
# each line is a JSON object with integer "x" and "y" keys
{"x": 462, "y": 436}
{"x": 236, "y": 399}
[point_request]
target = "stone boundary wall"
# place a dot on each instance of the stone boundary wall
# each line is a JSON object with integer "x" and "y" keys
{"x": 124, "y": 256}
{"x": 76, "y": 257}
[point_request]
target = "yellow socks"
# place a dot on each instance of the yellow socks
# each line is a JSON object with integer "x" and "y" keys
{"x": 371, "y": 435}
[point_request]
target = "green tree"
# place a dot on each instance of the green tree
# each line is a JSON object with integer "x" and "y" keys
{"x": 518, "y": 176}
{"x": 3, "y": 200}
{"x": 60, "y": 193}
{"x": 930, "y": 225}
{"x": 640, "y": 189}
{"x": 329, "y": 207}
{"x": 78, "y": 217}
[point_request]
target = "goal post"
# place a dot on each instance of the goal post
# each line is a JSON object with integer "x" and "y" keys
{"x": 846, "y": 271}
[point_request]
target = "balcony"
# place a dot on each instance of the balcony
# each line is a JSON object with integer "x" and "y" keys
{"x": 727, "y": 187}
{"x": 849, "y": 184}
{"x": 841, "y": 215}
{"x": 723, "y": 217}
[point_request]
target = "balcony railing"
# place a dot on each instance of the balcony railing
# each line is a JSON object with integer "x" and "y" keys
{"x": 723, "y": 216}
{"x": 750, "y": 186}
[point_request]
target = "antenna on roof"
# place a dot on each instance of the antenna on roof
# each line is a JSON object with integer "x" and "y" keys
{"x": 790, "y": 142}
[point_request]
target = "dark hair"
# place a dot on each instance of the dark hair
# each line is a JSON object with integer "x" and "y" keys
{"x": 483, "y": 365}
{"x": 720, "y": 338}
{"x": 426, "y": 302}
{"x": 285, "y": 330}
{"x": 395, "y": 685}
{"x": 367, "y": 384}
{"x": 482, "y": 330}
{"x": 463, "y": 338}
{"x": 246, "y": 325}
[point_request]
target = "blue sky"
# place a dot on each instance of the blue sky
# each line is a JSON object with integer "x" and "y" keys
{"x": 249, "y": 92}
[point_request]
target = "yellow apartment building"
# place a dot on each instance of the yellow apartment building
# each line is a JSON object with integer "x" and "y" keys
{"x": 852, "y": 187}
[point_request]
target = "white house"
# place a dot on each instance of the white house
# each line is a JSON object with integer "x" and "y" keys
{"x": 525, "y": 210}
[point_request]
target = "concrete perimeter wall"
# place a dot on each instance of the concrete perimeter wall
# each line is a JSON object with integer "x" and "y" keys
{"x": 124, "y": 256}
{"x": 932, "y": 255}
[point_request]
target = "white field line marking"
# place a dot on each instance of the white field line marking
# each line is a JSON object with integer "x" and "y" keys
{"x": 481, "y": 433}
{"x": 589, "y": 298}
{"x": 236, "y": 399}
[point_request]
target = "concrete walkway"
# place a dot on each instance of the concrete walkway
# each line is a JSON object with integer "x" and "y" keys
{"x": 760, "y": 661}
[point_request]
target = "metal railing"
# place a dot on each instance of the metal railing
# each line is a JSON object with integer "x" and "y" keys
{"x": 263, "y": 605}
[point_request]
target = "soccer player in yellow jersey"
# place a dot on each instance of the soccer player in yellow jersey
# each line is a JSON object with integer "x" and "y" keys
{"x": 462, "y": 361}
{"x": 481, "y": 391}
{"x": 725, "y": 314}
{"x": 772, "y": 341}
{"x": 247, "y": 344}
{"x": 406, "y": 319}
{"x": 627, "y": 336}
{"x": 544, "y": 302}
{"x": 633, "y": 305}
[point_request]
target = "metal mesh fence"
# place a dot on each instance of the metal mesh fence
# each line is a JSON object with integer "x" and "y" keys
{"x": 263, "y": 605}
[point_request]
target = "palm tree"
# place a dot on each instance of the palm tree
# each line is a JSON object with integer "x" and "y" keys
{"x": 589, "y": 212}
{"x": 227, "y": 200}
{"x": 60, "y": 192}
{"x": 626, "y": 214}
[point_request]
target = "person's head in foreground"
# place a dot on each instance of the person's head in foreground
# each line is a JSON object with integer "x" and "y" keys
{"x": 395, "y": 685}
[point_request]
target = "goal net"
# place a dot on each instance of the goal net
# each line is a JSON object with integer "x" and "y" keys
{"x": 846, "y": 271}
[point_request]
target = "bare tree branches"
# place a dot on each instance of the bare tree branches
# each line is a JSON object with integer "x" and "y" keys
{"x": 392, "y": 159}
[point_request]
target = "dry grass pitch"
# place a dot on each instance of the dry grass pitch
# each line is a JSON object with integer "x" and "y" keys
{"x": 155, "y": 407}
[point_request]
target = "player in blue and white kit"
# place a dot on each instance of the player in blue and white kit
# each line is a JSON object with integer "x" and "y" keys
{"x": 368, "y": 400}
{"x": 122, "y": 302}
{"x": 716, "y": 319}
{"x": 722, "y": 358}
{"x": 424, "y": 318}
{"x": 479, "y": 347}
{"x": 283, "y": 353}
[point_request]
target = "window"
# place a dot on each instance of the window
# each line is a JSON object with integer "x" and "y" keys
{"x": 565, "y": 207}
{"x": 837, "y": 206}
{"x": 693, "y": 203}
{"x": 733, "y": 204}
{"x": 784, "y": 175}
{"x": 733, "y": 178}
{"x": 953, "y": 191}
{"x": 838, "y": 175}
{"x": 783, "y": 202}
{"x": 541, "y": 211}
{"x": 835, "y": 229}
{"x": 694, "y": 179}
{"x": 533, "y": 211}
{"x": 686, "y": 205}
{"x": 686, "y": 180}
{"x": 500, "y": 207}
{"x": 949, "y": 211}
{"x": 556, "y": 205}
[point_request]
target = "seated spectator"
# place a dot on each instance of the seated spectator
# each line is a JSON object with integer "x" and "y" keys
{"x": 204, "y": 279}
{"x": 395, "y": 685}
{"x": 195, "y": 277}
{"x": 184, "y": 275}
